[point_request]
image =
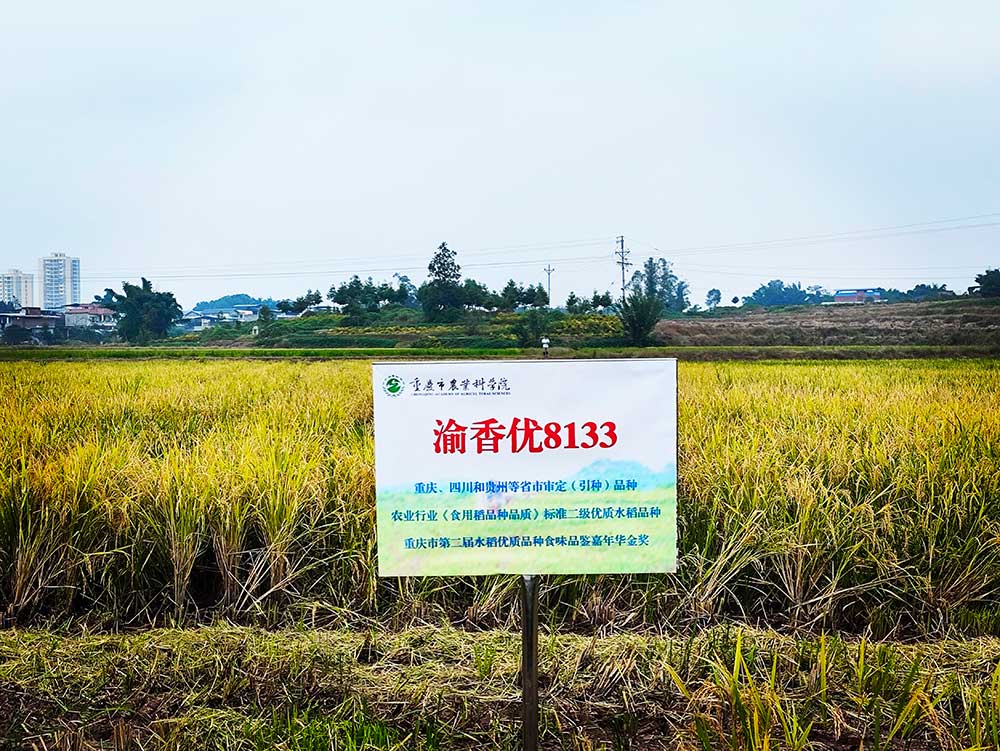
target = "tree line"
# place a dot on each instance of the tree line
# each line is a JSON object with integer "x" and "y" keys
{"x": 654, "y": 290}
{"x": 443, "y": 297}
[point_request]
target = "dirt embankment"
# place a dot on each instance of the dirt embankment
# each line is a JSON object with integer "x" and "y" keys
{"x": 959, "y": 322}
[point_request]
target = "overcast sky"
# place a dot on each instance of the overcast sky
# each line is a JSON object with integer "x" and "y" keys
{"x": 267, "y": 148}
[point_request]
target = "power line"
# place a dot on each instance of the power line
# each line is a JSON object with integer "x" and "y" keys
{"x": 282, "y": 270}
{"x": 876, "y": 233}
{"x": 873, "y": 233}
{"x": 837, "y": 275}
{"x": 504, "y": 249}
{"x": 345, "y": 270}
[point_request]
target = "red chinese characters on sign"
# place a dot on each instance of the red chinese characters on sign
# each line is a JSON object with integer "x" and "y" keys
{"x": 490, "y": 436}
{"x": 449, "y": 438}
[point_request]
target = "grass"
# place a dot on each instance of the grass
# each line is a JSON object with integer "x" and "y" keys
{"x": 434, "y": 688}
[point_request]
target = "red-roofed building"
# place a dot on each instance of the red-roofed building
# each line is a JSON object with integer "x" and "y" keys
{"x": 89, "y": 315}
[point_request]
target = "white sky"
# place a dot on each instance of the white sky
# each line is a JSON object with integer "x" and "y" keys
{"x": 267, "y": 148}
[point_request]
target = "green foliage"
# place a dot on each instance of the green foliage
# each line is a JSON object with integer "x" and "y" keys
{"x": 14, "y": 335}
{"x": 359, "y": 298}
{"x": 776, "y": 292}
{"x": 639, "y": 313}
{"x": 265, "y": 315}
{"x": 514, "y": 295}
{"x": 143, "y": 313}
{"x": 657, "y": 279}
{"x": 531, "y": 326}
{"x": 84, "y": 335}
{"x": 476, "y": 295}
{"x": 713, "y": 298}
{"x": 441, "y": 301}
{"x": 301, "y": 303}
{"x": 228, "y": 302}
{"x": 443, "y": 266}
{"x": 919, "y": 293}
{"x": 441, "y": 296}
{"x": 989, "y": 283}
{"x": 581, "y": 306}
{"x": 930, "y": 292}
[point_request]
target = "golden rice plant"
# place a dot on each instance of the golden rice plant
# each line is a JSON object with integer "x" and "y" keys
{"x": 847, "y": 496}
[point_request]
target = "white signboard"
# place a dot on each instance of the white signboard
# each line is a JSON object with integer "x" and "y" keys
{"x": 526, "y": 467}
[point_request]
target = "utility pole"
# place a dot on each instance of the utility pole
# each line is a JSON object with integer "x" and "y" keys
{"x": 548, "y": 271}
{"x": 622, "y": 261}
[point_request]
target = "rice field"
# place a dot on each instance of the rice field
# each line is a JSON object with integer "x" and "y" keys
{"x": 856, "y": 502}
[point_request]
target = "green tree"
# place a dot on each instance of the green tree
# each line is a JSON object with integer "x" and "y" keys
{"x": 713, "y": 298}
{"x": 639, "y": 313}
{"x": 540, "y": 298}
{"x": 816, "y": 294}
{"x": 597, "y": 302}
{"x": 300, "y": 304}
{"x": 227, "y": 302}
{"x": 443, "y": 266}
{"x": 573, "y": 303}
{"x": 406, "y": 292}
{"x": 776, "y": 292}
{"x": 143, "y": 313}
{"x": 531, "y": 326}
{"x": 657, "y": 279}
{"x": 600, "y": 301}
{"x": 930, "y": 292}
{"x": 107, "y": 299}
{"x": 355, "y": 296}
{"x": 510, "y": 295}
{"x": 265, "y": 314}
{"x": 476, "y": 294}
{"x": 441, "y": 296}
{"x": 989, "y": 283}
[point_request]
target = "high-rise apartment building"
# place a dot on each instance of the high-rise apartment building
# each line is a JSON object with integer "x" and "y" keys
{"x": 16, "y": 285}
{"x": 59, "y": 277}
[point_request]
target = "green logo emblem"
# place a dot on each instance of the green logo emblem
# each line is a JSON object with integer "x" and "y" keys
{"x": 393, "y": 385}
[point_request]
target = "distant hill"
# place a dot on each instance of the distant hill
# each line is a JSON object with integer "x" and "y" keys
{"x": 950, "y": 322}
{"x": 228, "y": 301}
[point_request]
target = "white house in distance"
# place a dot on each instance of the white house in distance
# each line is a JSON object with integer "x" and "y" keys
{"x": 16, "y": 285}
{"x": 89, "y": 315}
{"x": 194, "y": 320}
{"x": 247, "y": 312}
{"x": 59, "y": 277}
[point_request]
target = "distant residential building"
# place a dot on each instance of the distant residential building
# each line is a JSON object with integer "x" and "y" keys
{"x": 194, "y": 320}
{"x": 31, "y": 319}
{"x": 857, "y": 296}
{"x": 248, "y": 312}
{"x": 313, "y": 310}
{"x": 16, "y": 285}
{"x": 89, "y": 315}
{"x": 59, "y": 277}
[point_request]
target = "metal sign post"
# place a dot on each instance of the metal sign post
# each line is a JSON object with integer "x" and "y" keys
{"x": 529, "y": 662}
